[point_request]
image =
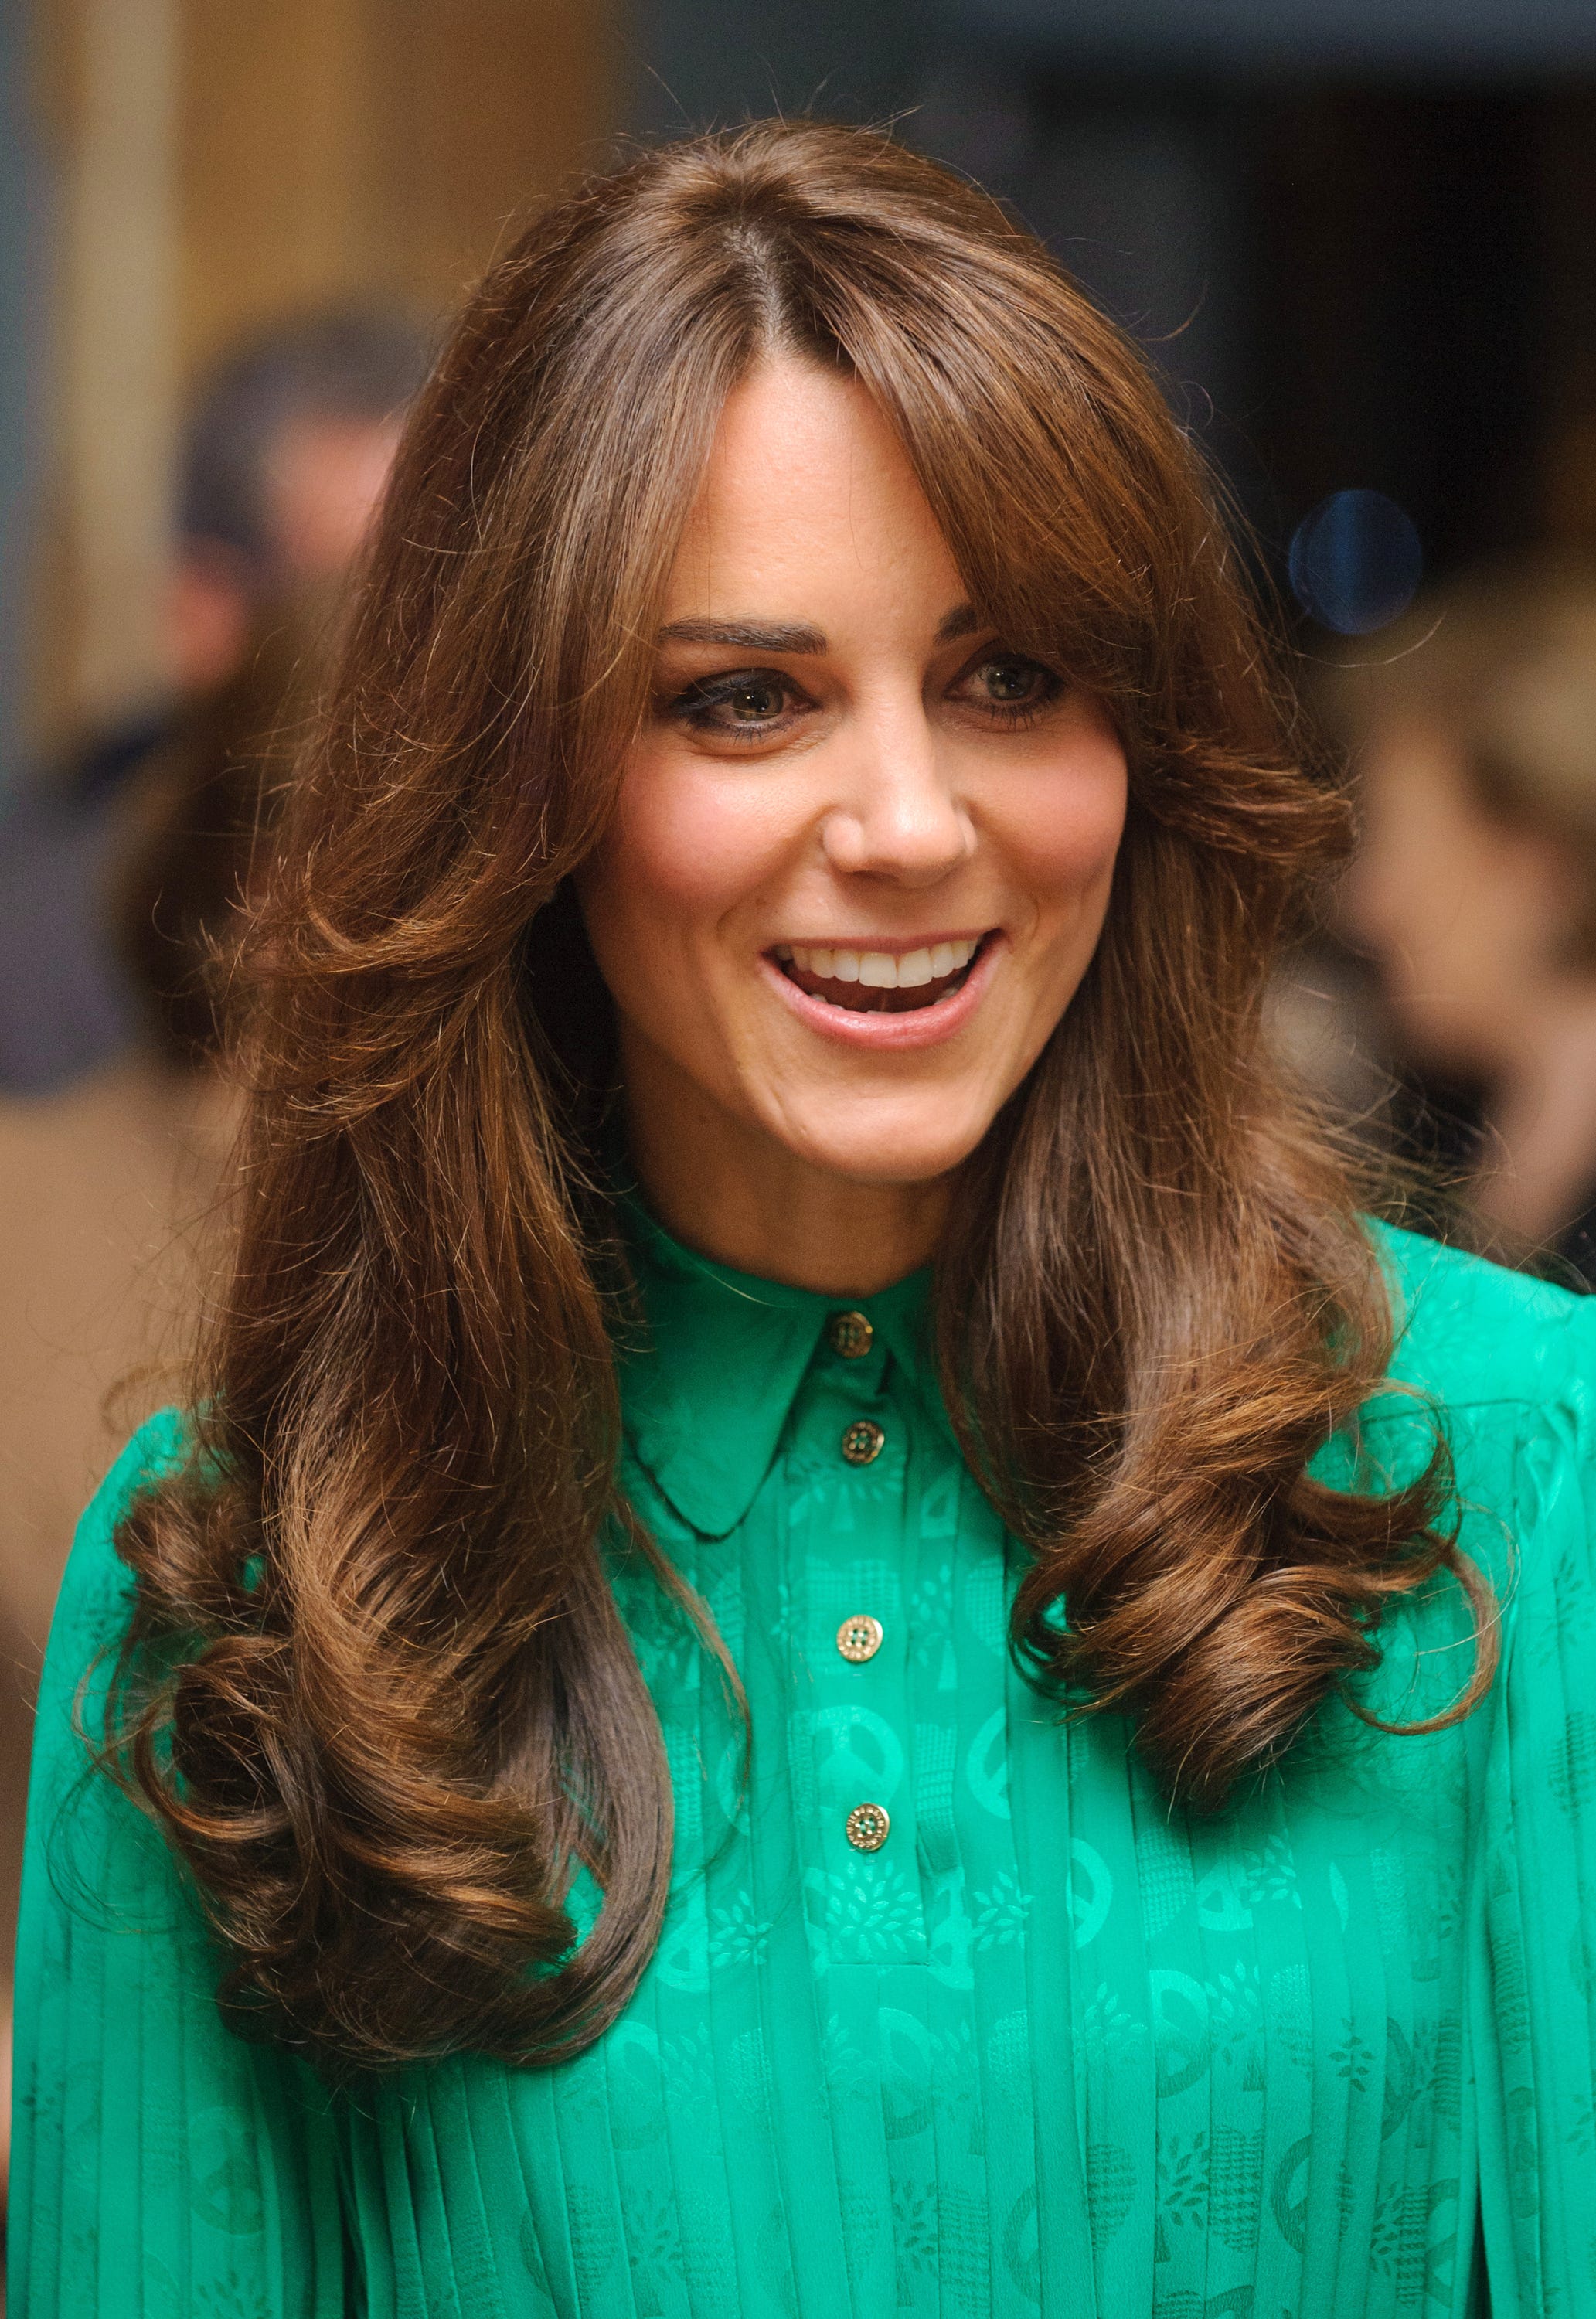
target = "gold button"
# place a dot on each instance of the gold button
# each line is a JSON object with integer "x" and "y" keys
{"x": 850, "y": 1334}
{"x": 862, "y": 1441}
{"x": 868, "y": 1826}
{"x": 860, "y": 1639}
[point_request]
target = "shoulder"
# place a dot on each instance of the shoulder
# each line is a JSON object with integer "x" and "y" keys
{"x": 87, "y": 1844}
{"x": 1469, "y": 1334}
{"x": 1506, "y": 1366}
{"x": 96, "y": 1591}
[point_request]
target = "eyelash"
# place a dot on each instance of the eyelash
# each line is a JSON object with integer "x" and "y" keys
{"x": 696, "y": 704}
{"x": 1016, "y": 717}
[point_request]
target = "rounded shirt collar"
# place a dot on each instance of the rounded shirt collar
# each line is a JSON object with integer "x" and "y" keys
{"x": 707, "y": 1385}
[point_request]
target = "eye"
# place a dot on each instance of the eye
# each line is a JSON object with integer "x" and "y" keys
{"x": 742, "y": 705}
{"x": 1009, "y": 685}
{"x": 756, "y": 703}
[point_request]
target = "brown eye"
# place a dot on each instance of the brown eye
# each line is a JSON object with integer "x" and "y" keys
{"x": 1012, "y": 683}
{"x": 1009, "y": 688}
{"x": 756, "y": 702}
{"x": 743, "y": 705}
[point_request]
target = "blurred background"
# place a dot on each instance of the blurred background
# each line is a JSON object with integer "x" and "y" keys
{"x": 1355, "y": 235}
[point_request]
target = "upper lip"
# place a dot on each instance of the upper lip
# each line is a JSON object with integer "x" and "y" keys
{"x": 895, "y": 945}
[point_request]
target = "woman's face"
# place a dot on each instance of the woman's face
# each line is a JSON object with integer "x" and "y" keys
{"x": 863, "y": 849}
{"x": 1462, "y": 913}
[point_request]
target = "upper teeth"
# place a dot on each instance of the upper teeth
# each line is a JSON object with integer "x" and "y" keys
{"x": 878, "y": 969}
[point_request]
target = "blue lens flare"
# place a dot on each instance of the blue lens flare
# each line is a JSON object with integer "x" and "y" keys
{"x": 1356, "y": 562}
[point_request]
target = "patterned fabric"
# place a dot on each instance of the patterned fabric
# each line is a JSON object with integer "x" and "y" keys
{"x": 1052, "y": 2047}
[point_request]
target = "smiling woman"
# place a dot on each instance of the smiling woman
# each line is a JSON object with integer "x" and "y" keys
{"x": 802, "y": 843}
{"x": 825, "y": 1626}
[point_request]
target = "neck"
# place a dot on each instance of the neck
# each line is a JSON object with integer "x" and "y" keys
{"x": 722, "y": 1188}
{"x": 1541, "y": 1123}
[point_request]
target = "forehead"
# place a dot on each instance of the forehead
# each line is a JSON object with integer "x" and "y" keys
{"x": 807, "y": 488}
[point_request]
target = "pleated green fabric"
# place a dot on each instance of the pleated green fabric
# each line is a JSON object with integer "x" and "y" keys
{"x": 1051, "y": 2047}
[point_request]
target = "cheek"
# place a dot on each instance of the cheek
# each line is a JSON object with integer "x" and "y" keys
{"x": 1061, "y": 839}
{"x": 684, "y": 848}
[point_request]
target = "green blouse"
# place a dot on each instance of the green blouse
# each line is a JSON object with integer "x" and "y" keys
{"x": 951, "y": 2014}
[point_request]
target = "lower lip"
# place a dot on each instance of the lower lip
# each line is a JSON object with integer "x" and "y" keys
{"x": 922, "y": 1026}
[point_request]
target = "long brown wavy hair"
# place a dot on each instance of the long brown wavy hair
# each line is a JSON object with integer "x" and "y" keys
{"x": 376, "y": 1687}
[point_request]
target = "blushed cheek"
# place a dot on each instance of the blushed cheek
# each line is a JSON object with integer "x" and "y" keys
{"x": 1063, "y": 851}
{"x": 684, "y": 848}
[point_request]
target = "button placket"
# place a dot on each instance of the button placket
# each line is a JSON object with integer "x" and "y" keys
{"x": 863, "y": 1822}
{"x": 859, "y": 1638}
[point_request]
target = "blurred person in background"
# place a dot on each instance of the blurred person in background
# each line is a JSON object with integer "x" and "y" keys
{"x": 107, "y": 1186}
{"x": 286, "y": 454}
{"x": 1473, "y": 889}
{"x": 98, "y": 1179}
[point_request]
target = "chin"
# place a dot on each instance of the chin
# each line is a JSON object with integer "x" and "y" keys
{"x": 891, "y": 1149}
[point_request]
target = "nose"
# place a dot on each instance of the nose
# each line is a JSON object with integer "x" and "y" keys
{"x": 897, "y": 816}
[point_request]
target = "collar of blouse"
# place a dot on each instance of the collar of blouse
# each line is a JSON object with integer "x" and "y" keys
{"x": 716, "y": 1358}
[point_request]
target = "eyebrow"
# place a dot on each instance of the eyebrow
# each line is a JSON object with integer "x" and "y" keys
{"x": 961, "y": 621}
{"x": 747, "y": 636}
{"x": 789, "y": 636}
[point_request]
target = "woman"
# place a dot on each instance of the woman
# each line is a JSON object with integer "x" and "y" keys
{"x": 739, "y": 1670}
{"x": 1474, "y": 886}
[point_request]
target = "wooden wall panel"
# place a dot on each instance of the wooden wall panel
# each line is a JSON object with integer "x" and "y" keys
{"x": 491, "y": 106}
{"x": 328, "y": 147}
{"x": 110, "y": 99}
{"x": 275, "y": 162}
{"x": 224, "y": 162}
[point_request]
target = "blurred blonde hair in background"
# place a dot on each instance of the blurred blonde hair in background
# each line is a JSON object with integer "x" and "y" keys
{"x": 1473, "y": 737}
{"x": 1501, "y": 665}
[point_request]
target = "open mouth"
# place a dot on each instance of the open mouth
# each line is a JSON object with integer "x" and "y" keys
{"x": 880, "y": 981}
